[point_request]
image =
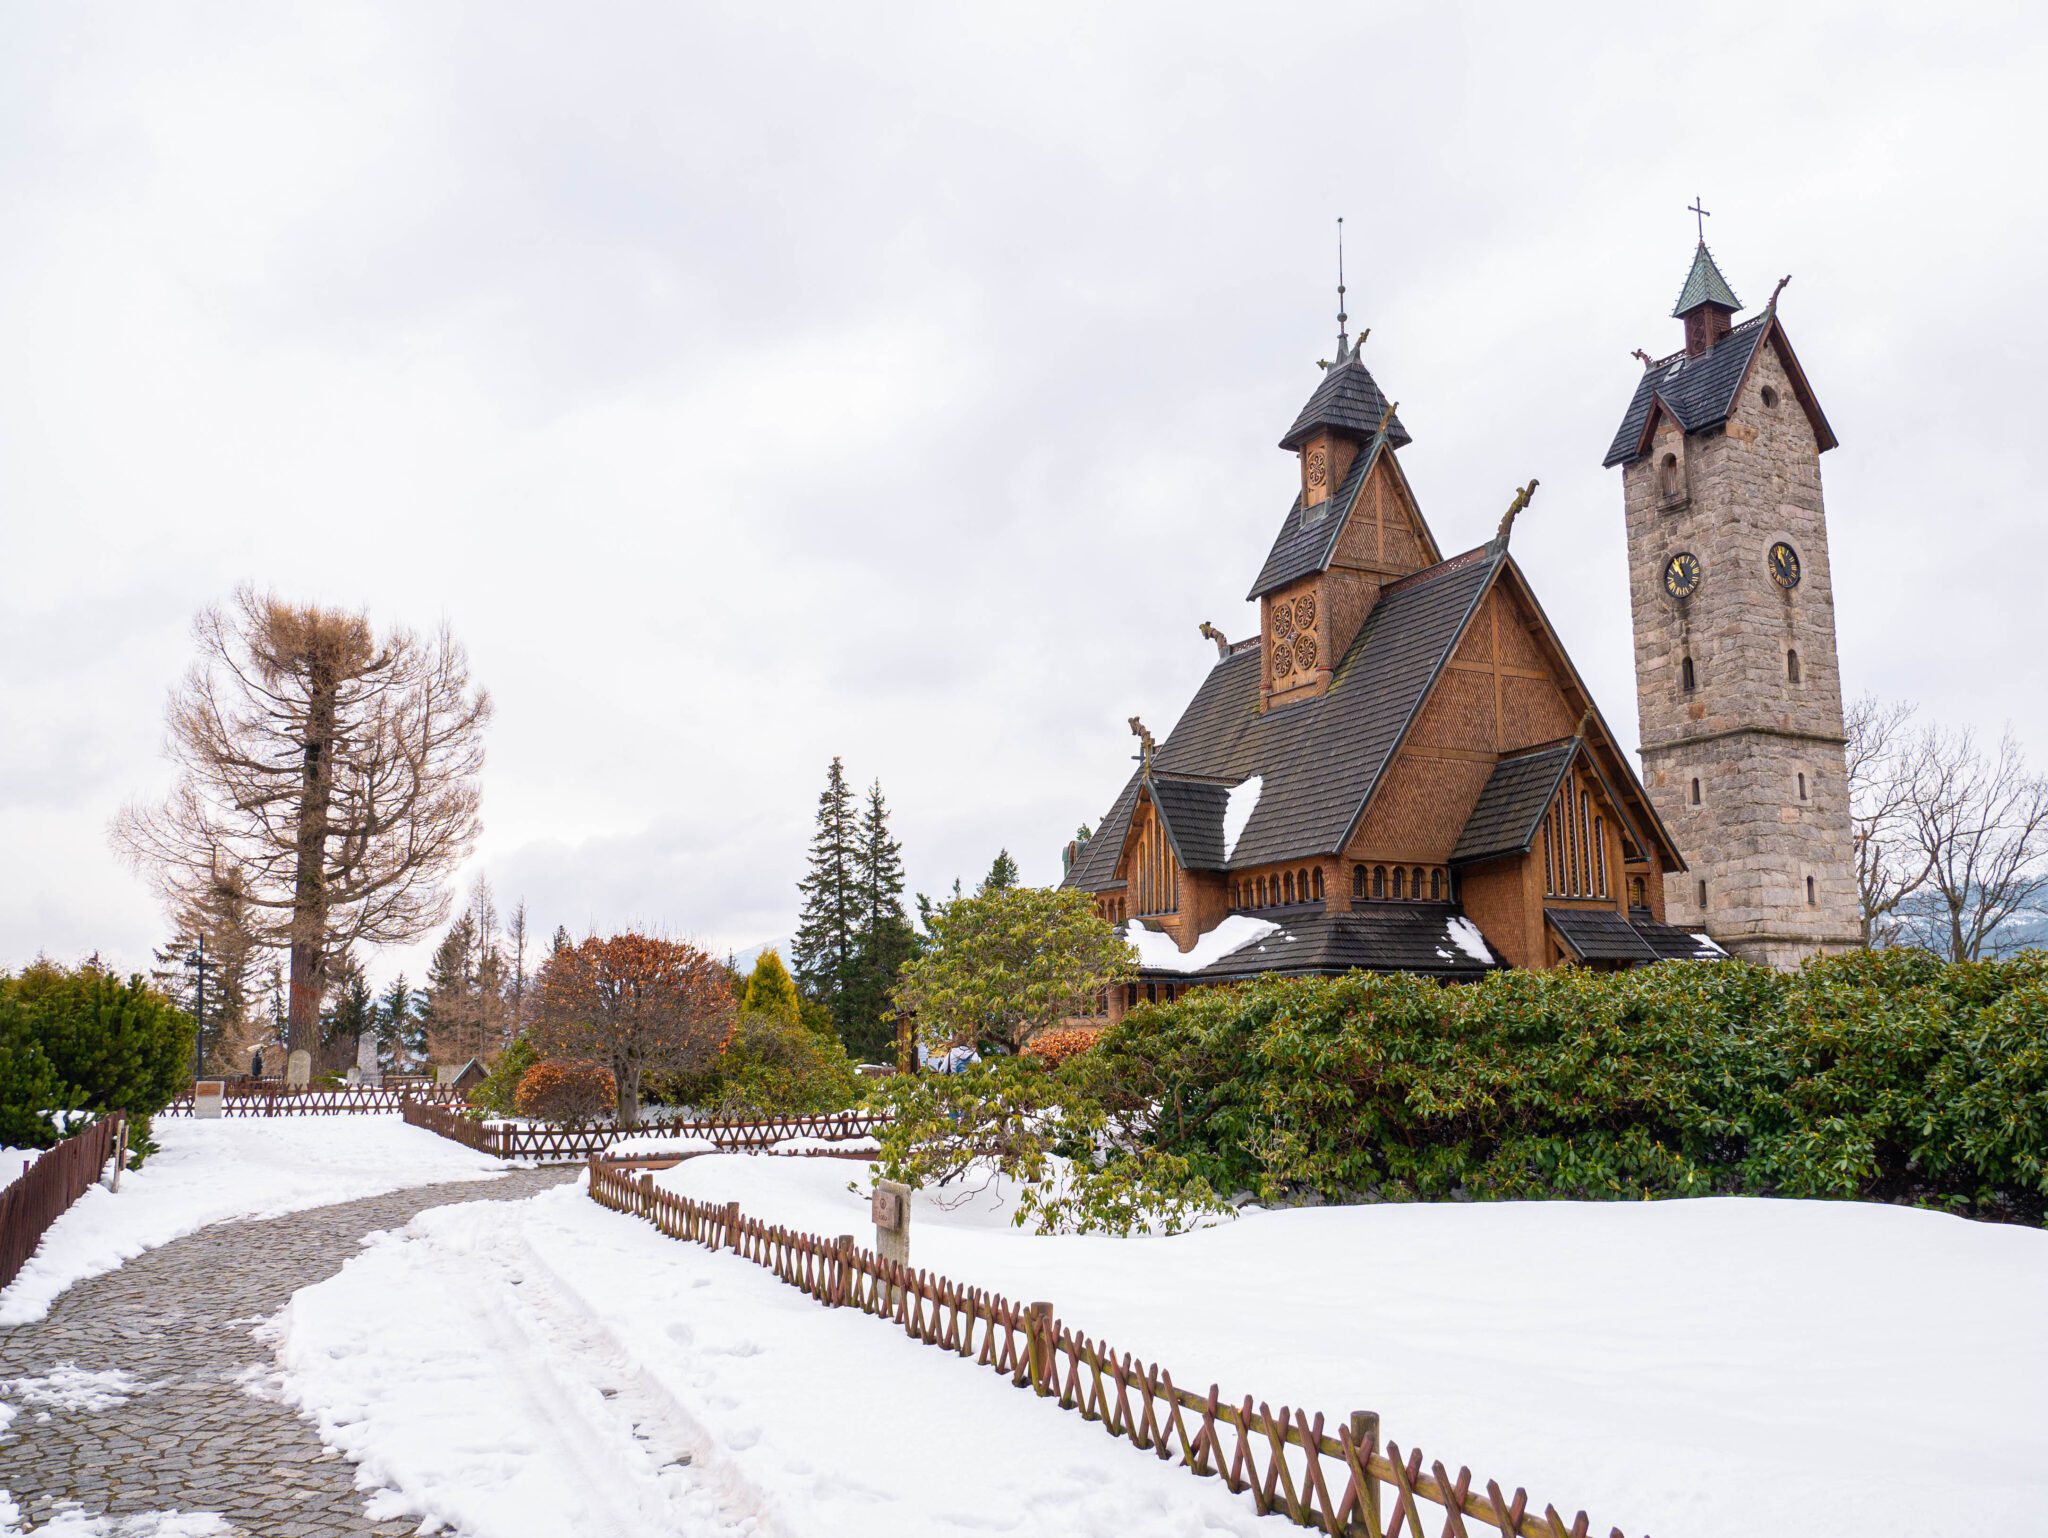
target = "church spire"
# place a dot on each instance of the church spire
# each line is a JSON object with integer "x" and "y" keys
{"x": 1705, "y": 304}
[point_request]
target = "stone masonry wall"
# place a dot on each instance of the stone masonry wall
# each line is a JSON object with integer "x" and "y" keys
{"x": 1746, "y": 730}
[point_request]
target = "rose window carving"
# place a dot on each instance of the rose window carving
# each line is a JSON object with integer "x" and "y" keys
{"x": 1304, "y": 611}
{"x": 1283, "y": 621}
{"x": 1304, "y": 651}
{"x": 1283, "y": 661}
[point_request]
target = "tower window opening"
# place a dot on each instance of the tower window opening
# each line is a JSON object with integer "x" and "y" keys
{"x": 1791, "y": 667}
{"x": 1686, "y": 676}
{"x": 1695, "y": 791}
{"x": 1703, "y": 896}
{"x": 1668, "y": 479}
{"x": 1770, "y": 395}
{"x": 1809, "y": 891}
{"x": 1802, "y": 787}
{"x": 1358, "y": 881}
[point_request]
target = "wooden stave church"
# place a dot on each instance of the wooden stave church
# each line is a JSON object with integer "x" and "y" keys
{"x": 1430, "y": 762}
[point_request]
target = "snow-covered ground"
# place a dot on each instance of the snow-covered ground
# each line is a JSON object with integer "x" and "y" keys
{"x": 1676, "y": 1367}
{"x": 213, "y": 1171}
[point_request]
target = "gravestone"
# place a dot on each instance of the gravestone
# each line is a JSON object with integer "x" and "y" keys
{"x": 298, "y": 1069}
{"x": 206, "y": 1098}
{"x": 367, "y": 1069}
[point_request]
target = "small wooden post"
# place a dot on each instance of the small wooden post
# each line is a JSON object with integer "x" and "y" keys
{"x": 1365, "y": 1436}
{"x": 120, "y": 1154}
{"x": 732, "y": 1225}
{"x": 842, "y": 1271}
{"x": 1038, "y": 1328}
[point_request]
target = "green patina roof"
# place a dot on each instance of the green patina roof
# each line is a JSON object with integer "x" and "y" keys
{"x": 1705, "y": 285}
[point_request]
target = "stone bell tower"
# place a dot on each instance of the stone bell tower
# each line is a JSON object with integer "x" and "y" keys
{"x": 1738, "y": 694}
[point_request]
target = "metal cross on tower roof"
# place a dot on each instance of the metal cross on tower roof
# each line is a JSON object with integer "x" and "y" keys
{"x": 1700, "y": 216}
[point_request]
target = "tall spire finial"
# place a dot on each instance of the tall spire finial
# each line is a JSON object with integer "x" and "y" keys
{"x": 1343, "y": 340}
{"x": 1700, "y": 216}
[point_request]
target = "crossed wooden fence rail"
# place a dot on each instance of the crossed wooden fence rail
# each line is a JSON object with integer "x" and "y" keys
{"x": 266, "y": 1099}
{"x": 50, "y": 1185}
{"x": 1338, "y": 1479}
{"x": 571, "y": 1145}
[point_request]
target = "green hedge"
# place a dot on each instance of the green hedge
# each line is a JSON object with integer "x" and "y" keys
{"x": 1883, "y": 1075}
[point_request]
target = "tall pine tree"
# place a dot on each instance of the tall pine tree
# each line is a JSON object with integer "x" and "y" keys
{"x": 1002, "y": 874}
{"x": 828, "y": 926}
{"x": 885, "y": 939}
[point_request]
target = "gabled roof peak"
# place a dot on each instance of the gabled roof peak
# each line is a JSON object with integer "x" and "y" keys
{"x": 1704, "y": 285}
{"x": 1348, "y": 399}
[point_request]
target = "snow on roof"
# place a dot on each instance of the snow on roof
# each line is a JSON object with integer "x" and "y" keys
{"x": 1237, "y": 811}
{"x": 1466, "y": 936}
{"x": 1158, "y": 953}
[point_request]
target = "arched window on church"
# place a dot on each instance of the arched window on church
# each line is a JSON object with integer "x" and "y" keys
{"x": 1637, "y": 895}
{"x": 1436, "y": 886}
{"x": 1319, "y": 883}
{"x": 1379, "y": 882}
{"x": 1301, "y": 887}
{"x": 1290, "y": 886}
{"x": 1669, "y": 482}
{"x": 1791, "y": 667}
{"x": 1686, "y": 676}
{"x": 1415, "y": 883}
{"x": 1400, "y": 883}
{"x": 1357, "y": 881}
{"x": 1261, "y": 884}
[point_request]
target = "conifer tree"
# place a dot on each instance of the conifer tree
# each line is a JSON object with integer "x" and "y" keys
{"x": 351, "y": 1013}
{"x": 885, "y": 939}
{"x": 770, "y": 991}
{"x": 448, "y": 1009}
{"x": 401, "y": 1035}
{"x": 827, "y": 926}
{"x": 1002, "y": 875}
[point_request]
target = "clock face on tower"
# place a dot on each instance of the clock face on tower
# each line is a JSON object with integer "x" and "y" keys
{"x": 1784, "y": 562}
{"x": 1682, "y": 574}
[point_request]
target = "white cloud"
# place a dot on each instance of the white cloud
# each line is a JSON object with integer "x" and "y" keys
{"x": 748, "y": 388}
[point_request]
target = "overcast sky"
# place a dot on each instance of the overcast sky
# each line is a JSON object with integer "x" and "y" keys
{"x": 748, "y": 385}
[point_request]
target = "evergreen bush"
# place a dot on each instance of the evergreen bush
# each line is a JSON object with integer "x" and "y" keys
{"x": 79, "y": 1038}
{"x": 1878, "y": 1075}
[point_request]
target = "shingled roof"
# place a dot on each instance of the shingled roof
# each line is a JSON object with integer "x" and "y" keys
{"x": 1698, "y": 392}
{"x": 1510, "y": 809}
{"x": 1348, "y": 399}
{"x": 1308, "y": 537}
{"x": 1321, "y": 758}
{"x": 1193, "y": 813}
{"x": 1388, "y": 937}
{"x": 1704, "y": 285}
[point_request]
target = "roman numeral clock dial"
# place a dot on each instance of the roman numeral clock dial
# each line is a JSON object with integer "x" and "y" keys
{"x": 1682, "y": 574}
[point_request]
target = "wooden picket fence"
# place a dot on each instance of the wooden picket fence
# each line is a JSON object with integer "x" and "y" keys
{"x": 261, "y": 1097}
{"x": 1337, "y": 1478}
{"x": 573, "y": 1145}
{"x": 50, "y": 1185}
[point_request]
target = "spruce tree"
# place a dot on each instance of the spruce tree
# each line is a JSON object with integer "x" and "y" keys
{"x": 1002, "y": 875}
{"x": 401, "y": 1035}
{"x": 449, "y": 1007}
{"x": 827, "y": 926}
{"x": 885, "y": 939}
{"x": 351, "y": 1013}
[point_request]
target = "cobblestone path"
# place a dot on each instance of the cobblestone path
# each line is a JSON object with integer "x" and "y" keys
{"x": 177, "y": 1319}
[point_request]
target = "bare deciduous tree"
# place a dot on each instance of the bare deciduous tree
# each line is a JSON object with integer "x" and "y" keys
{"x": 1981, "y": 824}
{"x": 638, "y": 1005}
{"x": 1890, "y": 865}
{"x": 333, "y": 771}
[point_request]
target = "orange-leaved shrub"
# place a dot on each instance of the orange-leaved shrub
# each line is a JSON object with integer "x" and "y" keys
{"x": 566, "y": 1090}
{"x": 1062, "y": 1042}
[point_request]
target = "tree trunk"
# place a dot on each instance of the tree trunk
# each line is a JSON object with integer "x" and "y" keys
{"x": 628, "y": 1082}
{"x": 309, "y": 885}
